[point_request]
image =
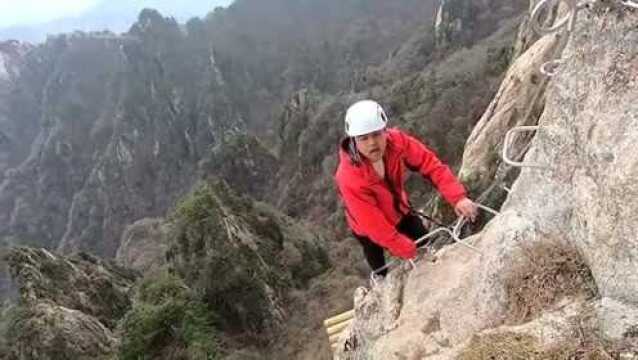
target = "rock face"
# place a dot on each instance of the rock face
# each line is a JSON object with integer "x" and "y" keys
{"x": 581, "y": 199}
{"x": 69, "y": 306}
{"x": 586, "y": 134}
{"x": 519, "y": 101}
{"x": 14, "y": 138}
{"x": 50, "y": 332}
{"x": 457, "y": 21}
{"x": 308, "y": 141}
{"x": 123, "y": 127}
{"x": 246, "y": 163}
{"x": 144, "y": 244}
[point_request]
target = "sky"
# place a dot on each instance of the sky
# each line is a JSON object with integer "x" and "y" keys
{"x": 32, "y": 20}
{"x": 31, "y": 12}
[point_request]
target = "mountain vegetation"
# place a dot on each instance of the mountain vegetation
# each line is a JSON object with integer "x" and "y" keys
{"x": 216, "y": 140}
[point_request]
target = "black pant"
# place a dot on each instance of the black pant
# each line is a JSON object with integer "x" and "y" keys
{"x": 410, "y": 226}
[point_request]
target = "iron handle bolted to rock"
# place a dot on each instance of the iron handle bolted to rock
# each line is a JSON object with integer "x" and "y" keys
{"x": 374, "y": 273}
{"x": 507, "y": 143}
{"x": 454, "y": 234}
{"x": 461, "y": 221}
{"x": 569, "y": 19}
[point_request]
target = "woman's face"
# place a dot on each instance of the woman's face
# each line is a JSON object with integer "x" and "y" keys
{"x": 371, "y": 145}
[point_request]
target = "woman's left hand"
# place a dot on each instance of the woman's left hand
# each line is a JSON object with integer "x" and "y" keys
{"x": 466, "y": 208}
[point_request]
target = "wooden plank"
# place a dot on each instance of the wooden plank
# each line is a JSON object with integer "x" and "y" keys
{"x": 338, "y": 328}
{"x": 339, "y": 318}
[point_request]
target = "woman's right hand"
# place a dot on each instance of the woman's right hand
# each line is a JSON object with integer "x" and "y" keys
{"x": 466, "y": 208}
{"x": 403, "y": 248}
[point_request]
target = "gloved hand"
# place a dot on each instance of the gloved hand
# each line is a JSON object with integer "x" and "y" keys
{"x": 403, "y": 248}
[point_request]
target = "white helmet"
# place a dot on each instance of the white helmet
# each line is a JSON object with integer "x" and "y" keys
{"x": 364, "y": 117}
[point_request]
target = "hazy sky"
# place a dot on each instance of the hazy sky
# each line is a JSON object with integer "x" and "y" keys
{"x": 29, "y": 12}
{"x": 26, "y": 12}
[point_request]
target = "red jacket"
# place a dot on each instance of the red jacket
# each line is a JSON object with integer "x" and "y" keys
{"x": 375, "y": 206}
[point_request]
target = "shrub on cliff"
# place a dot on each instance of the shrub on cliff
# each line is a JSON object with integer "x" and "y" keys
{"x": 168, "y": 321}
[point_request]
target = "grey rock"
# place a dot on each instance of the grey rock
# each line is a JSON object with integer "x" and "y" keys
{"x": 619, "y": 320}
{"x": 52, "y": 332}
{"x": 69, "y": 307}
{"x": 144, "y": 244}
{"x": 82, "y": 282}
{"x": 519, "y": 101}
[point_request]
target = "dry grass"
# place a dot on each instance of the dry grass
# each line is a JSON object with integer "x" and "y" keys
{"x": 504, "y": 346}
{"x": 548, "y": 272}
{"x": 585, "y": 344}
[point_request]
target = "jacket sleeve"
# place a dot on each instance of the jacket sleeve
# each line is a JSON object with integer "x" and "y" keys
{"x": 361, "y": 207}
{"x": 420, "y": 158}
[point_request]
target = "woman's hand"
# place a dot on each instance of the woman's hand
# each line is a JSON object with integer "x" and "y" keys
{"x": 403, "y": 248}
{"x": 466, "y": 208}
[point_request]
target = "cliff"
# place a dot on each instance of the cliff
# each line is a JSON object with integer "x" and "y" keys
{"x": 556, "y": 273}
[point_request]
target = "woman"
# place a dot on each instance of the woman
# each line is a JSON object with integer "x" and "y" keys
{"x": 372, "y": 169}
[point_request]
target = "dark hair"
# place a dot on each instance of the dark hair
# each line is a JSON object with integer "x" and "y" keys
{"x": 348, "y": 145}
{"x": 355, "y": 157}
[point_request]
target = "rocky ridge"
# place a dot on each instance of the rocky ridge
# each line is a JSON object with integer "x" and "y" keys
{"x": 68, "y": 306}
{"x": 240, "y": 258}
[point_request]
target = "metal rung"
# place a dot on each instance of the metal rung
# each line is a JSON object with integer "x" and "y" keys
{"x": 506, "y": 145}
{"x": 487, "y": 208}
{"x": 375, "y": 273}
{"x": 461, "y": 221}
{"x": 547, "y": 4}
{"x": 454, "y": 234}
{"x": 630, "y": 3}
{"x": 568, "y": 19}
{"x": 461, "y": 242}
